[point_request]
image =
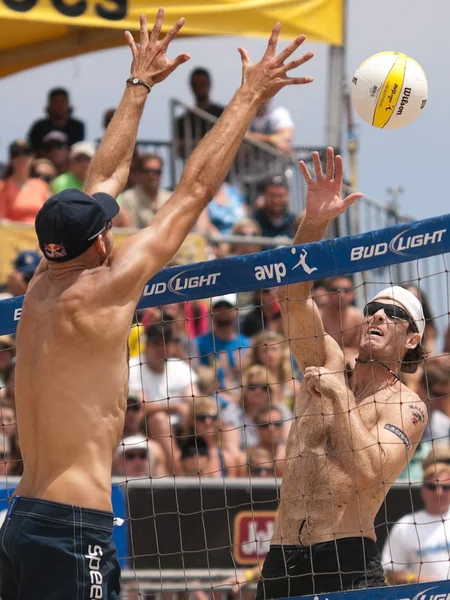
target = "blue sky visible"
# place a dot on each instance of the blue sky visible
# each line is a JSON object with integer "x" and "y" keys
{"x": 414, "y": 158}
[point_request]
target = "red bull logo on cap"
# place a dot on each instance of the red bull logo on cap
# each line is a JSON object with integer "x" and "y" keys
{"x": 54, "y": 251}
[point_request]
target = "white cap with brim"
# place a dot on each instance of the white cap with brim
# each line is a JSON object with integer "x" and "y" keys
{"x": 133, "y": 442}
{"x": 230, "y": 299}
{"x": 407, "y": 301}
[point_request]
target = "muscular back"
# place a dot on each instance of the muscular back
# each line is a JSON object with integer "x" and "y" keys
{"x": 71, "y": 385}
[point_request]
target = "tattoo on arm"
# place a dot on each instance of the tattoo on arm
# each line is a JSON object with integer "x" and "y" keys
{"x": 399, "y": 433}
{"x": 418, "y": 416}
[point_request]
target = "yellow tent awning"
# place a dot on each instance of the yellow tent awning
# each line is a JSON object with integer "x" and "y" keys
{"x": 34, "y": 32}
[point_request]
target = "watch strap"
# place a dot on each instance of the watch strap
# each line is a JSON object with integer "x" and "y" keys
{"x": 139, "y": 81}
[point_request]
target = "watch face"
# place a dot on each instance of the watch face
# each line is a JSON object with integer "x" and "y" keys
{"x": 135, "y": 80}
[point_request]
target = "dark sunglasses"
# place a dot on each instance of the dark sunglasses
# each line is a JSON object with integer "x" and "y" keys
{"x": 204, "y": 418}
{"x": 261, "y": 470}
{"x": 345, "y": 290}
{"x": 54, "y": 146}
{"x": 134, "y": 407}
{"x": 46, "y": 178}
{"x": 131, "y": 455}
{"x": 107, "y": 227}
{"x": 19, "y": 153}
{"x": 391, "y": 311}
{"x": 267, "y": 424}
{"x": 431, "y": 485}
{"x": 152, "y": 171}
{"x": 259, "y": 386}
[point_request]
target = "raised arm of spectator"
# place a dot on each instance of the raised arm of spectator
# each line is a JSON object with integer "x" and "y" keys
{"x": 137, "y": 259}
{"x": 110, "y": 167}
{"x": 302, "y": 321}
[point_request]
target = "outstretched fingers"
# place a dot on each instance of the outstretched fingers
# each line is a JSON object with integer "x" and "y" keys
{"x": 352, "y": 198}
{"x": 272, "y": 43}
{"x": 317, "y": 166}
{"x": 154, "y": 36}
{"x": 144, "y": 30}
{"x": 305, "y": 172}
{"x": 173, "y": 32}
{"x": 131, "y": 43}
{"x": 244, "y": 56}
{"x": 330, "y": 164}
{"x": 284, "y": 54}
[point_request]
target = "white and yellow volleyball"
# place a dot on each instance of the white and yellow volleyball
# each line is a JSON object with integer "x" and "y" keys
{"x": 389, "y": 90}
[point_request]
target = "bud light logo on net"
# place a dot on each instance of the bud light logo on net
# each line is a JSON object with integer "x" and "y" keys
{"x": 398, "y": 244}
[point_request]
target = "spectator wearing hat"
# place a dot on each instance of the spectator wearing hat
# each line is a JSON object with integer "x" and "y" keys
{"x": 59, "y": 118}
{"x": 44, "y": 169}
{"x": 81, "y": 155}
{"x": 418, "y": 546}
{"x": 138, "y": 457}
{"x": 21, "y": 196}
{"x": 223, "y": 346}
{"x": 168, "y": 386}
{"x": 25, "y": 264}
{"x": 55, "y": 147}
{"x": 274, "y": 216}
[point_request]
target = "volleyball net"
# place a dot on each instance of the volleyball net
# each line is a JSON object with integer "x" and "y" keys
{"x": 213, "y": 394}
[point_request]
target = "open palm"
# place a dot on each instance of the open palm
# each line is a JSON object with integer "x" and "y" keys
{"x": 324, "y": 199}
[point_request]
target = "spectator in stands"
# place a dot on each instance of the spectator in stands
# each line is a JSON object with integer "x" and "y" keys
{"x": 269, "y": 421}
{"x": 273, "y": 126}
{"x": 9, "y": 378}
{"x": 44, "y": 169}
{"x": 202, "y": 422}
{"x": 207, "y": 385}
{"x": 21, "y": 196}
{"x": 190, "y": 128}
{"x": 247, "y": 228}
{"x": 55, "y": 147}
{"x": 81, "y": 155}
{"x": 270, "y": 349}
{"x": 341, "y": 319}
{"x": 58, "y": 118}
{"x": 137, "y": 458}
{"x": 224, "y": 210}
{"x": 260, "y": 463}
{"x": 168, "y": 386}
{"x": 429, "y": 336}
{"x": 435, "y": 391}
{"x": 8, "y": 424}
{"x": 194, "y": 457}
{"x": 265, "y": 314}
{"x": 25, "y": 264}
{"x": 7, "y": 353}
{"x": 223, "y": 345}
{"x": 238, "y": 419}
{"x": 320, "y": 293}
{"x": 134, "y": 417}
{"x": 144, "y": 199}
{"x": 274, "y": 216}
{"x": 418, "y": 546}
{"x": 107, "y": 117}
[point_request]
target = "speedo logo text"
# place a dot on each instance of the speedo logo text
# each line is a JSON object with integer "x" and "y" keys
{"x": 93, "y": 558}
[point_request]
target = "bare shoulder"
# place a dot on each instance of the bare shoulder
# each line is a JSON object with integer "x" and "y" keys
{"x": 407, "y": 411}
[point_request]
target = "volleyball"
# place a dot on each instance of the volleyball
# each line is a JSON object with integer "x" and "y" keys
{"x": 389, "y": 90}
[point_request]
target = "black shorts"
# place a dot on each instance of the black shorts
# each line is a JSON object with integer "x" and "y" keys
{"x": 346, "y": 564}
{"x": 51, "y": 550}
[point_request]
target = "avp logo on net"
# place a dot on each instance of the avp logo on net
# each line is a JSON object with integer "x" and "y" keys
{"x": 180, "y": 282}
{"x": 398, "y": 244}
{"x": 278, "y": 270}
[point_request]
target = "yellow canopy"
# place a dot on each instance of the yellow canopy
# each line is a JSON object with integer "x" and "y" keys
{"x": 34, "y": 32}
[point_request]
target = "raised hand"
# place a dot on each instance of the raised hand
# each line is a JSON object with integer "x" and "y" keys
{"x": 267, "y": 77}
{"x": 324, "y": 199}
{"x": 150, "y": 62}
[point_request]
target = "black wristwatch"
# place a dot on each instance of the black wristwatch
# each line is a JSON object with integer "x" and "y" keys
{"x": 137, "y": 81}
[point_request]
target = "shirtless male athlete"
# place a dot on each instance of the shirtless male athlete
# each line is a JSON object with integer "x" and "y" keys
{"x": 352, "y": 435}
{"x": 72, "y": 367}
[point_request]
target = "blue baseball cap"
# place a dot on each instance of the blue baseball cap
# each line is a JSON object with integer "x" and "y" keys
{"x": 68, "y": 223}
{"x": 27, "y": 261}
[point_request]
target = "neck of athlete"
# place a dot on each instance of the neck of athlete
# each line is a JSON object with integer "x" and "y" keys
{"x": 371, "y": 376}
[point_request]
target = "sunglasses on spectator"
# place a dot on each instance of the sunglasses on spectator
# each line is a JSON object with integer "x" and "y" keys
{"x": 44, "y": 177}
{"x": 132, "y": 454}
{"x": 267, "y": 424}
{"x": 204, "y": 418}
{"x": 134, "y": 407}
{"x": 395, "y": 313}
{"x": 432, "y": 485}
{"x": 261, "y": 470}
{"x": 152, "y": 171}
{"x": 54, "y": 146}
{"x": 19, "y": 153}
{"x": 345, "y": 290}
{"x": 258, "y": 386}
